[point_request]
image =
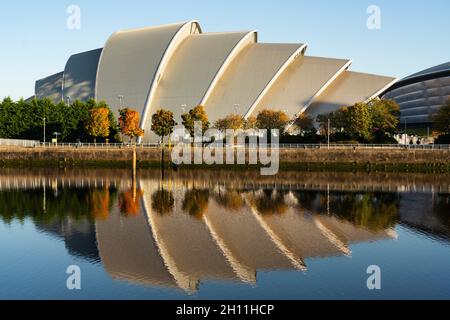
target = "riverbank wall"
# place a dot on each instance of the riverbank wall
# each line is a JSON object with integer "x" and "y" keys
{"x": 381, "y": 159}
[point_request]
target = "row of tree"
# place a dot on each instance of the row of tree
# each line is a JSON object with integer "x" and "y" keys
{"x": 375, "y": 121}
{"x": 79, "y": 121}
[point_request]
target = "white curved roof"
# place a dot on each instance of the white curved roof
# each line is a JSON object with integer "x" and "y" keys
{"x": 131, "y": 62}
{"x": 249, "y": 76}
{"x": 349, "y": 88}
{"x": 194, "y": 70}
{"x": 177, "y": 67}
{"x": 301, "y": 82}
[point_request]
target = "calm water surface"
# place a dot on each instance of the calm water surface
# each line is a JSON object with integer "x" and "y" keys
{"x": 223, "y": 235}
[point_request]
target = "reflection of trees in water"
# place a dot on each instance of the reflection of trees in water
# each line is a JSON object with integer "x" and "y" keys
{"x": 270, "y": 201}
{"x": 101, "y": 201}
{"x": 130, "y": 202}
{"x": 372, "y": 210}
{"x": 375, "y": 211}
{"x": 196, "y": 202}
{"x": 163, "y": 202}
{"x": 441, "y": 207}
{"x": 309, "y": 200}
{"x": 230, "y": 200}
{"x": 50, "y": 205}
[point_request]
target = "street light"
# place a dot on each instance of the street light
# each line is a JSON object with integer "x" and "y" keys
{"x": 120, "y": 97}
{"x": 56, "y": 135}
{"x": 328, "y": 132}
{"x": 406, "y": 134}
{"x": 44, "y": 129}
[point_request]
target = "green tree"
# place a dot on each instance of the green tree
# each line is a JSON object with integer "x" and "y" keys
{"x": 359, "y": 121}
{"x": 163, "y": 123}
{"x": 385, "y": 115}
{"x": 197, "y": 114}
{"x": 304, "y": 123}
{"x": 442, "y": 119}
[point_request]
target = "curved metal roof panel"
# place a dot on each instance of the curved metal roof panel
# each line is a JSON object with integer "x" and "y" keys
{"x": 301, "y": 82}
{"x": 194, "y": 71}
{"x": 349, "y": 88}
{"x": 80, "y": 75}
{"x": 131, "y": 61}
{"x": 249, "y": 77}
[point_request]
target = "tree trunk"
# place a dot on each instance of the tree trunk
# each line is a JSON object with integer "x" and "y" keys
{"x": 134, "y": 160}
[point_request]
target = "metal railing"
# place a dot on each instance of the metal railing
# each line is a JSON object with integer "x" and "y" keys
{"x": 37, "y": 144}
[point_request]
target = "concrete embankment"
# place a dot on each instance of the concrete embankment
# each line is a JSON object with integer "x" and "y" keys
{"x": 299, "y": 158}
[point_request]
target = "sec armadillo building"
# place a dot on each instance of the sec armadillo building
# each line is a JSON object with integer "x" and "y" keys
{"x": 178, "y": 66}
{"x": 422, "y": 94}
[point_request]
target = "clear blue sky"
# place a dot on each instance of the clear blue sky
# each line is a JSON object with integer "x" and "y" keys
{"x": 414, "y": 34}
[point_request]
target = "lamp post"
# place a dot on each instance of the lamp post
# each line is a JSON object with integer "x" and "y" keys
{"x": 56, "y": 136}
{"x": 120, "y": 97}
{"x": 44, "y": 129}
{"x": 328, "y": 132}
{"x": 406, "y": 134}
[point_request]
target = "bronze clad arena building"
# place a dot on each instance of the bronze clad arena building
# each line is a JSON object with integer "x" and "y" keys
{"x": 178, "y": 66}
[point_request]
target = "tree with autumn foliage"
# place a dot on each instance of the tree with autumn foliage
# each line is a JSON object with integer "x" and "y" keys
{"x": 98, "y": 125}
{"x": 163, "y": 123}
{"x": 129, "y": 122}
{"x": 272, "y": 120}
{"x": 129, "y": 202}
{"x": 232, "y": 121}
{"x": 198, "y": 114}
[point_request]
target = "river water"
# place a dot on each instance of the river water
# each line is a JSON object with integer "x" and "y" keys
{"x": 223, "y": 235}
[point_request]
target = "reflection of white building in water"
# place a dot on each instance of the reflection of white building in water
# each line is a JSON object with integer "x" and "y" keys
{"x": 179, "y": 250}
